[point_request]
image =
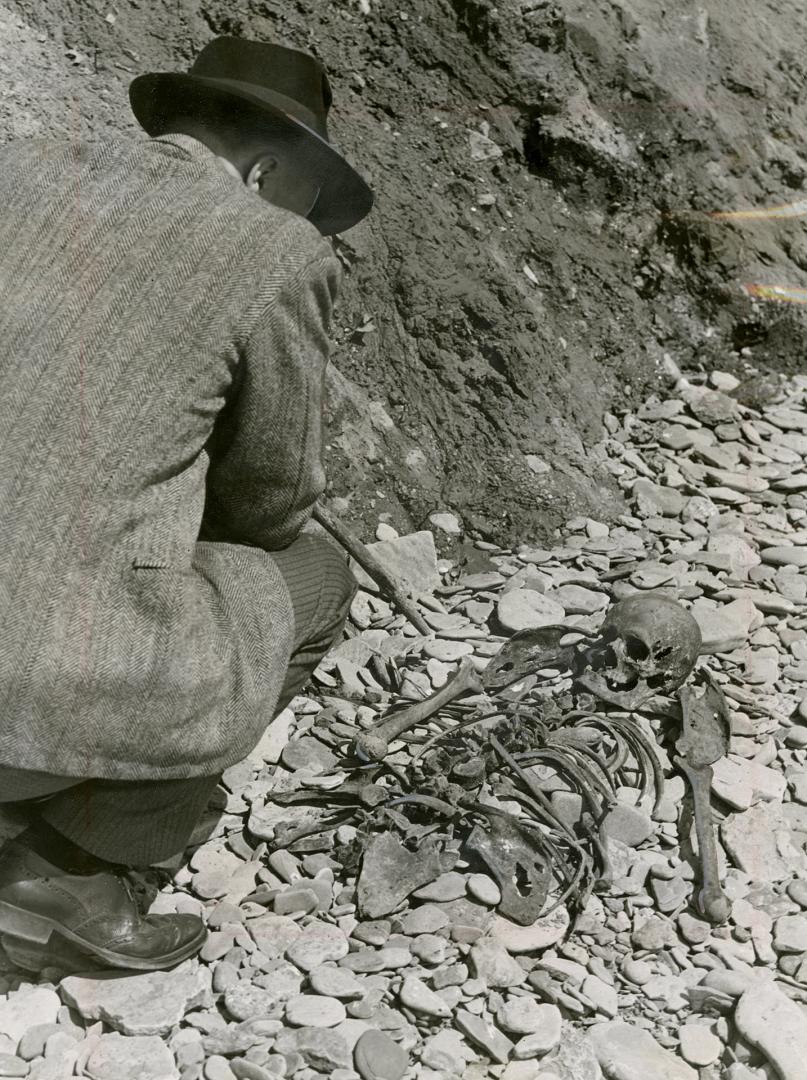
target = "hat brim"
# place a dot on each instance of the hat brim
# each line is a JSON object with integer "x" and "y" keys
{"x": 345, "y": 197}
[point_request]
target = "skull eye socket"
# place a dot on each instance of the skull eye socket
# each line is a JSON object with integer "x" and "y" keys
{"x": 635, "y": 648}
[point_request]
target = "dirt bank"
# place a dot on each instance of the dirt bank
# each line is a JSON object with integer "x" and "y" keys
{"x": 545, "y": 175}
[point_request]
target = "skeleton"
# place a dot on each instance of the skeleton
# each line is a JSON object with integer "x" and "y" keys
{"x": 493, "y": 743}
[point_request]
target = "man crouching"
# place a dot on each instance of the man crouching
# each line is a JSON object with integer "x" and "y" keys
{"x": 166, "y": 304}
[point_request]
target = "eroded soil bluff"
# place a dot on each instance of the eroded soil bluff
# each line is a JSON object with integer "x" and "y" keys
{"x": 545, "y": 178}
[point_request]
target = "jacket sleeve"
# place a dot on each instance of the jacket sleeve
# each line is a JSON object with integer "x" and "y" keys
{"x": 266, "y": 470}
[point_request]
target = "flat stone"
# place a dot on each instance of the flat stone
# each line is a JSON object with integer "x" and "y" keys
{"x": 318, "y": 943}
{"x": 282, "y": 979}
{"x": 522, "y": 1016}
{"x": 578, "y": 600}
{"x": 653, "y": 500}
{"x": 377, "y": 1057}
{"x": 759, "y": 843}
{"x": 484, "y": 889}
{"x": 320, "y": 1048}
{"x": 698, "y": 1045}
{"x": 446, "y": 1052}
{"x": 411, "y": 559}
{"x": 626, "y": 1052}
{"x": 450, "y": 886}
{"x": 628, "y": 824}
{"x": 693, "y": 931}
{"x": 447, "y": 651}
{"x": 246, "y": 1001}
{"x": 429, "y": 948}
{"x": 741, "y": 555}
{"x": 314, "y": 1010}
{"x": 425, "y": 919}
{"x": 790, "y": 934}
{"x": 573, "y": 1057}
{"x": 150, "y": 1003}
{"x": 543, "y": 933}
{"x": 484, "y": 1035}
{"x": 143, "y": 1057}
{"x": 670, "y": 893}
{"x": 785, "y": 556}
{"x": 768, "y": 1019}
{"x": 417, "y": 996}
{"x": 274, "y": 738}
{"x": 369, "y": 961}
{"x": 525, "y": 609}
{"x": 292, "y": 901}
{"x": 12, "y": 1066}
{"x": 273, "y": 934}
{"x": 26, "y": 1008}
{"x": 797, "y": 891}
{"x": 336, "y": 982}
{"x": 727, "y": 627}
{"x": 654, "y": 934}
{"x": 446, "y": 522}
{"x": 602, "y": 996}
{"x": 638, "y": 972}
{"x": 307, "y": 753}
{"x": 492, "y": 963}
{"x": 730, "y": 783}
{"x": 544, "y": 1038}
{"x": 711, "y": 407}
{"x": 522, "y": 1070}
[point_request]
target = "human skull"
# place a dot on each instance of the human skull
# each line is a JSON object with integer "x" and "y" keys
{"x": 648, "y": 645}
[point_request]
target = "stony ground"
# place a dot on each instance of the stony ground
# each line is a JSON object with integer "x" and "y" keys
{"x": 294, "y": 981}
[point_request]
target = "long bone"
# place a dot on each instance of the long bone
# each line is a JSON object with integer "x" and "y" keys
{"x": 373, "y": 744}
{"x": 524, "y": 653}
{"x": 703, "y": 741}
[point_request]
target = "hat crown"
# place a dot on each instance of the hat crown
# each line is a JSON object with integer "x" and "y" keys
{"x": 297, "y": 75}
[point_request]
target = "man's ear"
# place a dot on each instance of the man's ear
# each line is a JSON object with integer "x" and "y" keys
{"x": 261, "y": 167}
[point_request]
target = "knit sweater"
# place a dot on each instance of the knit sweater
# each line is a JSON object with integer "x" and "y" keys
{"x": 163, "y": 340}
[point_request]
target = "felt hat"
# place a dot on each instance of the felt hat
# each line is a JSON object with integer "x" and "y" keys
{"x": 285, "y": 87}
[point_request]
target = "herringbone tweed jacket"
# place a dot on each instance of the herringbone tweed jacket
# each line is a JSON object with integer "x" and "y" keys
{"x": 163, "y": 340}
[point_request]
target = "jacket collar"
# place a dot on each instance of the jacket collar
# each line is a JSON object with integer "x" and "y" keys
{"x": 193, "y": 148}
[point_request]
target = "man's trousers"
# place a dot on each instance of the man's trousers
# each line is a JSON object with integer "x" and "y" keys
{"x": 137, "y": 823}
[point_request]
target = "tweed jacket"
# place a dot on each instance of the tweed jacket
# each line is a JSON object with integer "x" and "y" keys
{"x": 163, "y": 341}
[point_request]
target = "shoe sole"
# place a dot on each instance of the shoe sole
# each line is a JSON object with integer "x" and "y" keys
{"x": 39, "y": 930}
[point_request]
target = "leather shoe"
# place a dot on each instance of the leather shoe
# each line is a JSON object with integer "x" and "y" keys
{"x": 95, "y": 913}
